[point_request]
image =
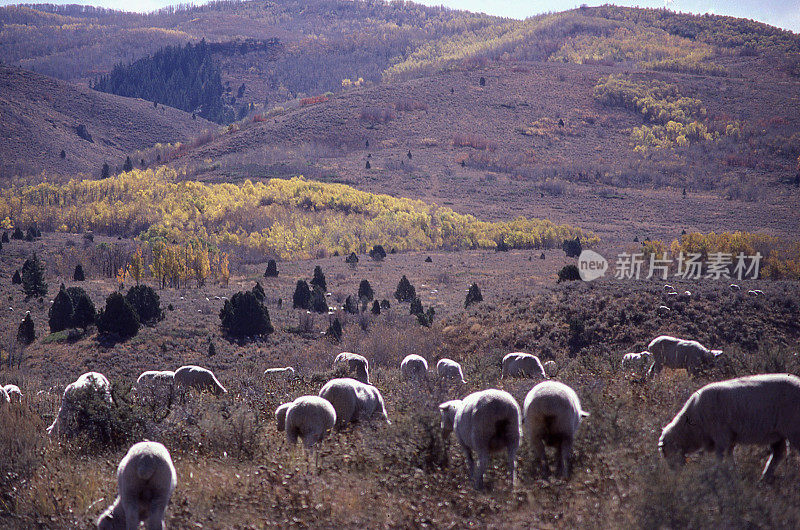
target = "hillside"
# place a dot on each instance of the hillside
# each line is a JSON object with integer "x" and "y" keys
{"x": 535, "y": 140}
{"x": 41, "y": 117}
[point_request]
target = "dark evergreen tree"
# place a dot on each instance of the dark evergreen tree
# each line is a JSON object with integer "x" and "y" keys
{"x": 26, "y": 332}
{"x": 569, "y": 273}
{"x": 428, "y": 260}
{"x": 405, "y": 291}
{"x": 351, "y": 305}
{"x": 416, "y": 306}
{"x": 212, "y": 350}
{"x": 502, "y": 246}
{"x": 365, "y": 291}
{"x": 377, "y": 253}
{"x": 385, "y": 304}
{"x": 352, "y": 259}
{"x": 334, "y": 331}
{"x": 473, "y": 295}
{"x": 302, "y": 296}
{"x": 78, "y": 275}
{"x": 30, "y": 235}
{"x": 572, "y": 247}
{"x": 5, "y": 237}
{"x": 84, "y": 313}
{"x": 318, "y": 281}
{"x": 376, "y": 308}
{"x": 33, "y": 277}
{"x": 318, "y": 302}
{"x": 63, "y": 154}
{"x": 146, "y": 302}
{"x": 259, "y": 293}
{"x": 16, "y": 279}
{"x": 61, "y": 312}
{"x": 272, "y": 269}
{"x": 128, "y": 165}
{"x": 245, "y": 316}
{"x": 118, "y": 320}
{"x": 367, "y": 166}
{"x": 17, "y": 233}
{"x": 106, "y": 171}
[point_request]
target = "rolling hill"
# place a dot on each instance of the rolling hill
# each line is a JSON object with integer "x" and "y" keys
{"x": 41, "y": 118}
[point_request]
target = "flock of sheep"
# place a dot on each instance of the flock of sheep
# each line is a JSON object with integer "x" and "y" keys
{"x": 761, "y": 409}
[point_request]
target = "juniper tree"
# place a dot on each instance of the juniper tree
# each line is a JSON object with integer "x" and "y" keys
{"x": 33, "y": 277}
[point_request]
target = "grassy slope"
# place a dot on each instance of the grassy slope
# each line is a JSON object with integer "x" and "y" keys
{"x": 40, "y": 116}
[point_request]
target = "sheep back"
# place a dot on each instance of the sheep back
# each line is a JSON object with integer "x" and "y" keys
{"x": 89, "y": 387}
{"x": 488, "y": 420}
{"x": 552, "y": 411}
{"x": 198, "y": 378}
{"x": 519, "y": 364}
{"x": 674, "y": 353}
{"x": 449, "y": 369}
{"x": 414, "y": 367}
{"x": 354, "y": 364}
{"x": 309, "y": 418}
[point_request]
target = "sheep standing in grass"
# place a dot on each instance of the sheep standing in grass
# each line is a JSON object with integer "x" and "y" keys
{"x": 552, "y": 415}
{"x": 735, "y": 287}
{"x": 156, "y": 387}
{"x": 753, "y": 410}
{"x": 678, "y": 353}
{"x": 197, "y": 378}
{"x": 414, "y": 367}
{"x": 518, "y": 364}
{"x": 280, "y": 373}
{"x": 14, "y": 393}
{"x": 91, "y": 387}
{"x": 307, "y": 417}
{"x": 449, "y": 369}
{"x": 145, "y": 480}
{"x": 484, "y": 422}
{"x": 637, "y": 362}
{"x": 353, "y": 400}
{"x": 550, "y": 368}
{"x": 353, "y": 363}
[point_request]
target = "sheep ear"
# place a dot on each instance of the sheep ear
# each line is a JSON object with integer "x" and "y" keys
{"x": 444, "y": 406}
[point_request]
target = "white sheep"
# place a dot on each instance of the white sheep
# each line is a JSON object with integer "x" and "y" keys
{"x": 550, "y": 368}
{"x": 686, "y": 294}
{"x": 552, "y": 413}
{"x": 672, "y": 294}
{"x": 156, "y": 387}
{"x": 4, "y": 397}
{"x": 735, "y": 287}
{"x": 637, "y": 362}
{"x": 307, "y": 417}
{"x": 754, "y": 410}
{"x": 678, "y": 353}
{"x": 414, "y": 367}
{"x": 146, "y": 479}
{"x": 14, "y": 393}
{"x": 197, "y": 378}
{"x": 755, "y": 292}
{"x": 89, "y": 387}
{"x": 663, "y": 310}
{"x": 449, "y": 369}
{"x": 280, "y": 373}
{"x": 353, "y": 363}
{"x": 519, "y": 364}
{"x": 669, "y": 288}
{"x": 353, "y": 400}
{"x": 484, "y": 422}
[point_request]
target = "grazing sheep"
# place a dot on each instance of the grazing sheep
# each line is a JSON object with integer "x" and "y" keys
{"x": 14, "y": 393}
{"x": 755, "y": 292}
{"x": 663, "y": 310}
{"x": 735, "y": 287}
{"x": 484, "y": 422}
{"x": 4, "y": 397}
{"x": 449, "y": 369}
{"x": 520, "y": 364}
{"x": 307, "y": 417}
{"x": 145, "y": 481}
{"x": 550, "y": 368}
{"x": 673, "y": 294}
{"x": 353, "y": 362}
{"x": 677, "y": 353}
{"x": 669, "y": 288}
{"x": 414, "y": 367}
{"x": 89, "y": 387}
{"x": 353, "y": 400}
{"x": 552, "y": 415}
{"x": 637, "y": 362}
{"x": 277, "y": 373}
{"x": 156, "y": 387}
{"x": 754, "y": 410}
{"x": 686, "y": 294}
{"x": 197, "y": 378}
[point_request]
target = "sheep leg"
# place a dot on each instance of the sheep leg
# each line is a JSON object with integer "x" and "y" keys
{"x": 778, "y": 452}
{"x": 483, "y": 463}
{"x": 156, "y": 519}
{"x": 537, "y": 445}
{"x": 512, "y": 464}
{"x": 470, "y": 461}
{"x": 564, "y": 452}
{"x": 131, "y": 509}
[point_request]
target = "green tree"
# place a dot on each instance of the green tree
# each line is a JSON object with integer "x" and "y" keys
{"x": 61, "y": 312}
{"x": 145, "y": 301}
{"x": 118, "y": 319}
{"x": 318, "y": 281}
{"x": 365, "y": 291}
{"x": 377, "y": 253}
{"x": 84, "y": 313}
{"x": 376, "y": 308}
{"x": 405, "y": 291}
{"x": 258, "y": 291}
{"x": 106, "y": 171}
{"x": 318, "y": 302}
{"x": 128, "y": 165}
{"x": 17, "y": 278}
{"x": 245, "y": 316}
{"x": 473, "y": 295}
{"x": 272, "y": 269}
{"x": 78, "y": 275}
{"x": 33, "y": 277}
{"x": 26, "y": 333}
{"x": 302, "y": 296}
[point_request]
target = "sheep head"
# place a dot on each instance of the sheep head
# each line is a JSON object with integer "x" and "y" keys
{"x": 448, "y": 410}
{"x": 280, "y": 416}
